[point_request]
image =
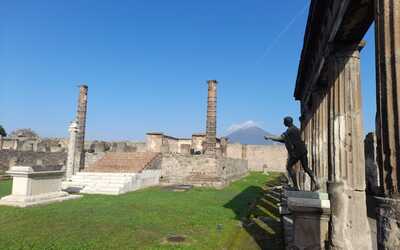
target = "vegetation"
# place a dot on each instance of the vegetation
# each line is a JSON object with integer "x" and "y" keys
{"x": 207, "y": 218}
{"x": 2, "y": 131}
{"x": 24, "y": 132}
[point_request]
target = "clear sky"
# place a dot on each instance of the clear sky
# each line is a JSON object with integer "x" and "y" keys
{"x": 147, "y": 62}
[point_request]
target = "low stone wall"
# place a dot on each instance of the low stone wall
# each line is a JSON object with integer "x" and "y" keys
{"x": 9, "y": 158}
{"x": 260, "y": 157}
{"x": 176, "y": 168}
{"x": 201, "y": 170}
{"x": 148, "y": 178}
{"x": 91, "y": 158}
{"x": 233, "y": 169}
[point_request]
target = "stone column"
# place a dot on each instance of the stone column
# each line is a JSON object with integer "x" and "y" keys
{"x": 72, "y": 150}
{"x": 323, "y": 177}
{"x": 387, "y": 31}
{"x": 81, "y": 119}
{"x": 1, "y": 142}
{"x": 349, "y": 225}
{"x": 211, "y": 133}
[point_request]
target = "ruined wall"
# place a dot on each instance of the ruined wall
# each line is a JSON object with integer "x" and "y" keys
{"x": 201, "y": 169}
{"x": 140, "y": 146}
{"x": 91, "y": 158}
{"x": 173, "y": 144}
{"x": 197, "y": 142}
{"x": 233, "y": 169}
{"x": 176, "y": 168}
{"x": 260, "y": 157}
{"x": 9, "y": 158}
{"x": 36, "y": 144}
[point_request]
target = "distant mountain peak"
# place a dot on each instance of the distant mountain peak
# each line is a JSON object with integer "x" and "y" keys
{"x": 249, "y": 134}
{"x": 244, "y": 125}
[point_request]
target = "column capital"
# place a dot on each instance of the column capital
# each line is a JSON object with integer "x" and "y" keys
{"x": 212, "y": 81}
{"x": 346, "y": 49}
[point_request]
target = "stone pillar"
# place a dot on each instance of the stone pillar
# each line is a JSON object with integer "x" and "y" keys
{"x": 81, "y": 119}
{"x": 72, "y": 150}
{"x": 387, "y": 31}
{"x": 346, "y": 187}
{"x": 1, "y": 142}
{"x": 211, "y": 133}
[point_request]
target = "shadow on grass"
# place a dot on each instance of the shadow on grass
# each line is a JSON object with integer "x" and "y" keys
{"x": 5, "y": 187}
{"x": 257, "y": 209}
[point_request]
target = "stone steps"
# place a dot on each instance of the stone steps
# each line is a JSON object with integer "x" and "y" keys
{"x": 124, "y": 162}
{"x": 101, "y": 183}
{"x": 112, "y": 183}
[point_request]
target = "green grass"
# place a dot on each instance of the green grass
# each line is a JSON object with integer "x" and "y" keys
{"x": 209, "y": 218}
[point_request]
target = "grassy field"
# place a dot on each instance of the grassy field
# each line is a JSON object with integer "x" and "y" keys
{"x": 207, "y": 218}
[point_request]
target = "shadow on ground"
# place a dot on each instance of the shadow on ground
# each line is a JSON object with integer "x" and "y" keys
{"x": 258, "y": 210}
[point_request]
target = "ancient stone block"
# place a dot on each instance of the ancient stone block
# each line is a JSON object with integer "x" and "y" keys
{"x": 36, "y": 185}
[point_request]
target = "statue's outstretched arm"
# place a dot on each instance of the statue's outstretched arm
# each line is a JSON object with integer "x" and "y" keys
{"x": 275, "y": 138}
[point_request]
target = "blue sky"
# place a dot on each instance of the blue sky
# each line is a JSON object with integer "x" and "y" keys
{"x": 147, "y": 62}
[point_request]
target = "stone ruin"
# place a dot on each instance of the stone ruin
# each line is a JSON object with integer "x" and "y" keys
{"x": 36, "y": 185}
{"x": 125, "y": 166}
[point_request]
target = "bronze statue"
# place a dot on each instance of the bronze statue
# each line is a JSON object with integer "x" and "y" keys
{"x": 297, "y": 151}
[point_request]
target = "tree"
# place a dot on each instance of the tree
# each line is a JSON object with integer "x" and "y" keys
{"x": 2, "y": 131}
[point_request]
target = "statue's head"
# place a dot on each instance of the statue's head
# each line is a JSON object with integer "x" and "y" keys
{"x": 288, "y": 121}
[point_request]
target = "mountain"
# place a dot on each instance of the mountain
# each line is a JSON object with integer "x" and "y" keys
{"x": 249, "y": 135}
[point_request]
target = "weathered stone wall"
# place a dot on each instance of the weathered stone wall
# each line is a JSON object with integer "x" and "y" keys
{"x": 197, "y": 142}
{"x": 36, "y": 144}
{"x": 140, "y": 146}
{"x": 201, "y": 169}
{"x": 173, "y": 144}
{"x": 176, "y": 168}
{"x": 260, "y": 157}
{"x": 91, "y": 158}
{"x": 9, "y": 158}
{"x": 233, "y": 169}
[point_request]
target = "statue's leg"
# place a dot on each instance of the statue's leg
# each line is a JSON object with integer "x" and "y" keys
{"x": 304, "y": 163}
{"x": 292, "y": 174}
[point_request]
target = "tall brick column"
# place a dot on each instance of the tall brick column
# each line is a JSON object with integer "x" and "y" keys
{"x": 211, "y": 133}
{"x": 81, "y": 119}
{"x": 387, "y": 32}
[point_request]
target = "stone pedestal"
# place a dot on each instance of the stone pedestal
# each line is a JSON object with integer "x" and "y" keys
{"x": 36, "y": 185}
{"x": 310, "y": 212}
{"x": 388, "y": 223}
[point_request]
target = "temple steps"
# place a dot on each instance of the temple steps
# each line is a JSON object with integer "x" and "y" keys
{"x": 125, "y": 162}
{"x": 112, "y": 183}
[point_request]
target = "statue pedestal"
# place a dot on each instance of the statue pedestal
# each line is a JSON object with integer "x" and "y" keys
{"x": 388, "y": 223}
{"x": 310, "y": 213}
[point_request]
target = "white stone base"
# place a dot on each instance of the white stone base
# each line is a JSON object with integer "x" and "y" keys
{"x": 112, "y": 183}
{"x": 28, "y": 201}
